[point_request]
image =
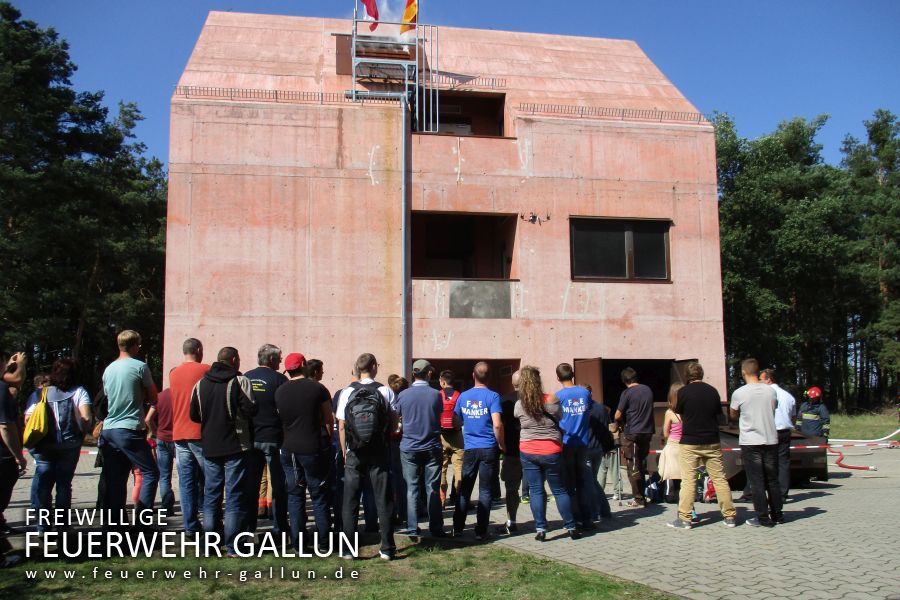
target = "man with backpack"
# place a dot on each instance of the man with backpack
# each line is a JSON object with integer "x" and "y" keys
{"x": 365, "y": 420}
{"x": 480, "y": 411}
{"x": 451, "y": 438}
{"x": 222, "y": 402}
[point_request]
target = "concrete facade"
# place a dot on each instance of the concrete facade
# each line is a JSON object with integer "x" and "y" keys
{"x": 284, "y": 211}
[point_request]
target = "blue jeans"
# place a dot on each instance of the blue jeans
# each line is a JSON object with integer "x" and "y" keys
{"x": 398, "y": 483}
{"x": 539, "y": 468}
{"x": 600, "y": 506}
{"x": 121, "y": 449}
{"x": 579, "y": 481}
{"x": 483, "y": 464}
{"x": 189, "y": 460}
{"x": 165, "y": 456}
{"x": 426, "y": 463}
{"x": 55, "y": 466}
{"x": 267, "y": 454}
{"x": 310, "y": 472}
{"x": 228, "y": 474}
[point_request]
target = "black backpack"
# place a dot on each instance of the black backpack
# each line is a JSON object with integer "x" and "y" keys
{"x": 366, "y": 419}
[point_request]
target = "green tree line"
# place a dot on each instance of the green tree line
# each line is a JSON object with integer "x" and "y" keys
{"x": 82, "y": 212}
{"x": 811, "y": 267}
{"x": 810, "y": 261}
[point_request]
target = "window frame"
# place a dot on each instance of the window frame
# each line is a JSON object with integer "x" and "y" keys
{"x": 628, "y": 227}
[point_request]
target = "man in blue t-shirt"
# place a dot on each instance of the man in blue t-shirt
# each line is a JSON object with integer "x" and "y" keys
{"x": 420, "y": 407}
{"x": 480, "y": 412}
{"x": 576, "y": 403}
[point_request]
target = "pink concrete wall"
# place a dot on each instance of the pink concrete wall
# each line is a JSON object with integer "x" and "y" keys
{"x": 284, "y": 219}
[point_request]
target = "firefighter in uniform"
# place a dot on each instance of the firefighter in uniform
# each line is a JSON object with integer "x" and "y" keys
{"x": 813, "y": 417}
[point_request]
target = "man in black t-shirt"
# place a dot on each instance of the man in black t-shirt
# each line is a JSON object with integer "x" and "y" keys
{"x": 265, "y": 380}
{"x": 511, "y": 467}
{"x": 304, "y": 406}
{"x": 636, "y": 406}
{"x": 700, "y": 405}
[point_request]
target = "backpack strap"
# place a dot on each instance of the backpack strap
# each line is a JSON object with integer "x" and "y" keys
{"x": 196, "y": 392}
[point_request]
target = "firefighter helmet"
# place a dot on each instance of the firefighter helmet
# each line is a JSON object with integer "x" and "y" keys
{"x": 814, "y": 393}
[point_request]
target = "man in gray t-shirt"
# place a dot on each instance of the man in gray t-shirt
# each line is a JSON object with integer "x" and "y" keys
{"x": 754, "y": 404}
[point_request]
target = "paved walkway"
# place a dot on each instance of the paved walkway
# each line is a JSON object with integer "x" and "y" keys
{"x": 840, "y": 540}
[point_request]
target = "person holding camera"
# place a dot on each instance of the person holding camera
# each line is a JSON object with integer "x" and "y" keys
{"x": 12, "y": 461}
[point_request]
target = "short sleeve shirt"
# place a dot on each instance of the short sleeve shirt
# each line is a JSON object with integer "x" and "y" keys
{"x": 636, "y": 403}
{"x": 124, "y": 381}
{"x": 756, "y": 401}
{"x": 475, "y": 407}
{"x": 387, "y": 393}
{"x": 299, "y": 403}
{"x": 576, "y": 410}
{"x": 266, "y": 424}
{"x": 420, "y": 406}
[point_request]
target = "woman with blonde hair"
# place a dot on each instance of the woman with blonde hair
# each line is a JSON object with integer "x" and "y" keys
{"x": 541, "y": 448}
{"x": 669, "y": 469}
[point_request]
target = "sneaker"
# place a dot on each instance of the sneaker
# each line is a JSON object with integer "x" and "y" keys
{"x": 385, "y": 555}
{"x": 526, "y": 500}
{"x": 11, "y": 560}
{"x": 679, "y": 524}
{"x": 575, "y": 534}
{"x": 730, "y": 522}
{"x": 511, "y": 527}
{"x": 457, "y": 532}
{"x": 779, "y": 520}
{"x": 540, "y": 536}
{"x": 482, "y": 537}
{"x": 755, "y": 522}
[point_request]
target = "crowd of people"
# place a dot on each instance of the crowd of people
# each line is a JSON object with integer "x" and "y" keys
{"x": 257, "y": 443}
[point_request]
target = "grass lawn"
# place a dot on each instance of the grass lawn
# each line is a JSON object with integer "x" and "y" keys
{"x": 422, "y": 571}
{"x": 865, "y": 426}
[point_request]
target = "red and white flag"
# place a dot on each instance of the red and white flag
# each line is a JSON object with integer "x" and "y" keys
{"x": 372, "y": 11}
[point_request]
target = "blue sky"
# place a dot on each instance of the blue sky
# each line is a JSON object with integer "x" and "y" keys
{"x": 761, "y": 61}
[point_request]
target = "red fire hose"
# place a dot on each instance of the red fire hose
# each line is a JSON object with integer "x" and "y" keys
{"x": 840, "y": 461}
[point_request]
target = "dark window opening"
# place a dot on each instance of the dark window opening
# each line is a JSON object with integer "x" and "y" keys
{"x": 448, "y": 245}
{"x": 501, "y": 370}
{"x": 619, "y": 249}
{"x": 467, "y": 113}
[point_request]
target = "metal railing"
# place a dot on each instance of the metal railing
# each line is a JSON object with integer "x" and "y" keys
{"x": 602, "y": 112}
{"x": 284, "y": 96}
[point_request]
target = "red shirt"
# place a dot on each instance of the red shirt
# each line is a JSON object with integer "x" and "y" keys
{"x": 181, "y": 381}
{"x": 164, "y": 416}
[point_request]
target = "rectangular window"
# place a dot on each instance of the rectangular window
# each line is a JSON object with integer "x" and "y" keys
{"x": 623, "y": 249}
{"x": 467, "y": 113}
{"x": 452, "y": 245}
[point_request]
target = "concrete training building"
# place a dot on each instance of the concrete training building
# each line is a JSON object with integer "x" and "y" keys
{"x": 565, "y": 209}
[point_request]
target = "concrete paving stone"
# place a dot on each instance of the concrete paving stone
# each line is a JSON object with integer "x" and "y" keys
{"x": 843, "y": 526}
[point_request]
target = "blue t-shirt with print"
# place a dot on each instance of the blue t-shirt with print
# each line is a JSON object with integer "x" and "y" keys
{"x": 576, "y": 405}
{"x": 475, "y": 407}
